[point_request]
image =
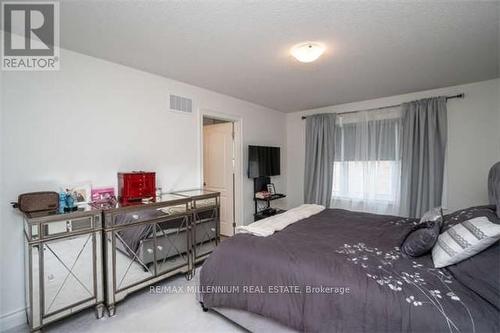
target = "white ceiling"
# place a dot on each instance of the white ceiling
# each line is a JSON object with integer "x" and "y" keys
{"x": 241, "y": 49}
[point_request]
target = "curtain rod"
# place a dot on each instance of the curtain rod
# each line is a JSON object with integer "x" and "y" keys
{"x": 462, "y": 95}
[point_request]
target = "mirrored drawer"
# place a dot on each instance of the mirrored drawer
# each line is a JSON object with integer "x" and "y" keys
{"x": 149, "y": 214}
{"x": 31, "y": 230}
{"x": 204, "y": 203}
{"x": 137, "y": 216}
{"x": 59, "y": 228}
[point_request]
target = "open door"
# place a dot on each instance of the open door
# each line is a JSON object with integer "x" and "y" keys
{"x": 219, "y": 168}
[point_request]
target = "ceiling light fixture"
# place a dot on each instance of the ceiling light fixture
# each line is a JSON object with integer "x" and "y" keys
{"x": 307, "y": 52}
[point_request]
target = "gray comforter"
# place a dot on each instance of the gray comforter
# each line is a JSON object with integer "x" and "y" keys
{"x": 342, "y": 271}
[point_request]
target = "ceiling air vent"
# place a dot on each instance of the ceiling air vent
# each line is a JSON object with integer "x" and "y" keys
{"x": 181, "y": 104}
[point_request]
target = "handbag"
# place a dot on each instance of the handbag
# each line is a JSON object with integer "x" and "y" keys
{"x": 37, "y": 201}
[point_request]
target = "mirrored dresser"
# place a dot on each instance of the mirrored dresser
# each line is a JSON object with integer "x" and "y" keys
{"x": 145, "y": 243}
{"x": 63, "y": 264}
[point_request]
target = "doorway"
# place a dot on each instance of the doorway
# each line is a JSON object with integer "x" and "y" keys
{"x": 220, "y": 166}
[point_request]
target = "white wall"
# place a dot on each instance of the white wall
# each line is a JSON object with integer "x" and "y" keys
{"x": 2, "y": 204}
{"x": 94, "y": 118}
{"x": 498, "y": 101}
{"x": 473, "y": 140}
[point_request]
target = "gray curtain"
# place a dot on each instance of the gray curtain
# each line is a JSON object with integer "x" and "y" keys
{"x": 320, "y": 148}
{"x": 423, "y": 147}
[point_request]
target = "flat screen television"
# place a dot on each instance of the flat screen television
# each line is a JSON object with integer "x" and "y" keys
{"x": 263, "y": 161}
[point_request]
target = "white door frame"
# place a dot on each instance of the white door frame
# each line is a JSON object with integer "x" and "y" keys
{"x": 238, "y": 142}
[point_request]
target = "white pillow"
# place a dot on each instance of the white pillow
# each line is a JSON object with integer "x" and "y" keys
{"x": 432, "y": 215}
{"x": 464, "y": 240}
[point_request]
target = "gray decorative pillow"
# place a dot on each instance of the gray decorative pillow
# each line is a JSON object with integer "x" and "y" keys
{"x": 424, "y": 235}
{"x": 422, "y": 239}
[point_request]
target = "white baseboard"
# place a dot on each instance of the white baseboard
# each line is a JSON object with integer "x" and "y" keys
{"x": 12, "y": 319}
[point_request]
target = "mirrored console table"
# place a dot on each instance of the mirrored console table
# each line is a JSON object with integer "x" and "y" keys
{"x": 63, "y": 264}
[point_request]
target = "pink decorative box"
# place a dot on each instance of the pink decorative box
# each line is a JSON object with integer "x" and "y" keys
{"x": 102, "y": 194}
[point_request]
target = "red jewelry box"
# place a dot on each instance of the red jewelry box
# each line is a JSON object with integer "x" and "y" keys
{"x": 135, "y": 186}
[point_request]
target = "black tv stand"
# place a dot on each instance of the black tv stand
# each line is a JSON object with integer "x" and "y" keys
{"x": 260, "y": 184}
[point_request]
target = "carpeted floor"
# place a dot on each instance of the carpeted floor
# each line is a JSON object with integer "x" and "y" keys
{"x": 144, "y": 312}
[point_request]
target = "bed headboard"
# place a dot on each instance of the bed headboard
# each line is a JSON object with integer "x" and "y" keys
{"x": 494, "y": 186}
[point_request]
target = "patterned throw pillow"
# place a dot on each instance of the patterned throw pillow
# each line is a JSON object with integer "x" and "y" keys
{"x": 462, "y": 215}
{"x": 464, "y": 240}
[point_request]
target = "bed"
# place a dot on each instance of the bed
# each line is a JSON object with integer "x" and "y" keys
{"x": 342, "y": 271}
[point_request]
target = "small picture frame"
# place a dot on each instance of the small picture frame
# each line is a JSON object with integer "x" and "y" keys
{"x": 102, "y": 194}
{"x": 80, "y": 192}
{"x": 271, "y": 189}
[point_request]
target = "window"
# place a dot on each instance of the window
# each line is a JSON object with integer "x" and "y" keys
{"x": 367, "y": 166}
{"x": 361, "y": 180}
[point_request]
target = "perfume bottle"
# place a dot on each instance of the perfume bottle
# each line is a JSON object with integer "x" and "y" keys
{"x": 158, "y": 194}
{"x": 62, "y": 201}
{"x": 70, "y": 202}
